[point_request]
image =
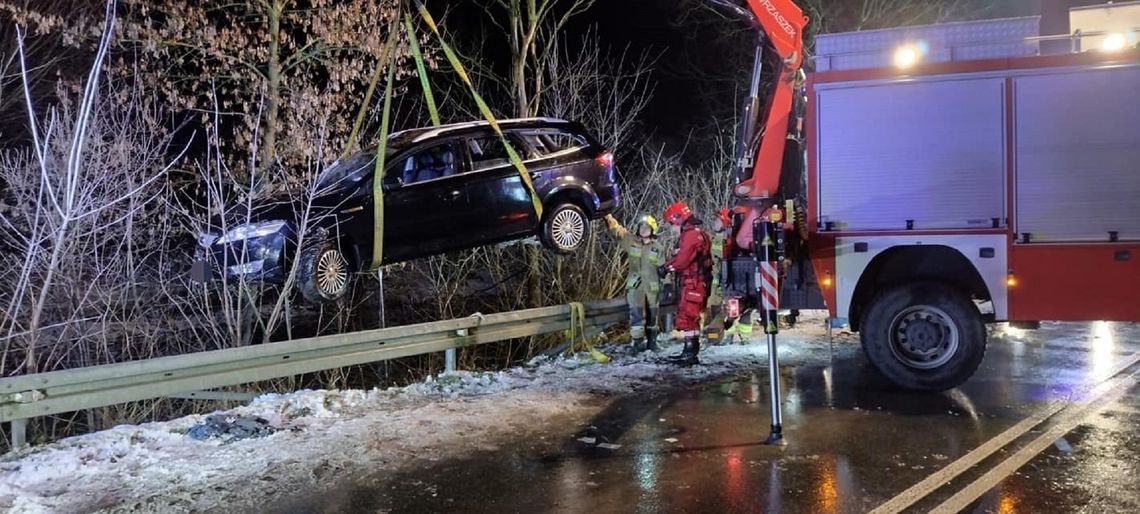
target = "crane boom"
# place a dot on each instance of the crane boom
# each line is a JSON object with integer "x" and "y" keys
{"x": 764, "y": 128}
{"x": 779, "y": 48}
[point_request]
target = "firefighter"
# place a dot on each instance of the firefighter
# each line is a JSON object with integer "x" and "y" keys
{"x": 740, "y": 327}
{"x": 731, "y": 328}
{"x": 642, "y": 284}
{"x": 692, "y": 265}
{"x": 714, "y": 315}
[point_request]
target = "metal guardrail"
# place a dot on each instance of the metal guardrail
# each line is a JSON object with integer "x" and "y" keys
{"x": 55, "y": 392}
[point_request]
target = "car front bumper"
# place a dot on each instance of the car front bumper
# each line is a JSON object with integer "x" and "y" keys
{"x": 261, "y": 258}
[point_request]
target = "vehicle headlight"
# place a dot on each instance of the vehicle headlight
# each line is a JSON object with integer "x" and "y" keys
{"x": 251, "y": 230}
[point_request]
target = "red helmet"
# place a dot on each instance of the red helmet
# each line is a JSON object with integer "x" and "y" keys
{"x": 725, "y": 217}
{"x": 677, "y": 213}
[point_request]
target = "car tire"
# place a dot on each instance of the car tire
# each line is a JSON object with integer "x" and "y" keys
{"x": 565, "y": 228}
{"x": 323, "y": 272}
{"x": 926, "y": 336}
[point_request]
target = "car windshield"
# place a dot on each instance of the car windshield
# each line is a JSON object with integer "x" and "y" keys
{"x": 345, "y": 172}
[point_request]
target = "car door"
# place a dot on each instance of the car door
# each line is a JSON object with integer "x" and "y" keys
{"x": 426, "y": 208}
{"x": 496, "y": 190}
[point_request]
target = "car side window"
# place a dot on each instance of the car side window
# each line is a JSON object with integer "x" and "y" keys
{"x": 429, "y": 164}
{"x": 548, "y": 142}
{"x": 487, "y": 152}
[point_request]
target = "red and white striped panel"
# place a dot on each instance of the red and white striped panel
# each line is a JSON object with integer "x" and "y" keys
{"x": 769, "y": 288}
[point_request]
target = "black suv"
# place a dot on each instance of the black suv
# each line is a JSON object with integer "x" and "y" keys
{"x": 445, "y": 188}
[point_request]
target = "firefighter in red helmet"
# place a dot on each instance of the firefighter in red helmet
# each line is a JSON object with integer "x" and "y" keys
{"x": 692, "y": 265}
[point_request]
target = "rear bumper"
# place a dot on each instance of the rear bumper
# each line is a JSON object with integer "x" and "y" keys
{"x": 609, "y": 199}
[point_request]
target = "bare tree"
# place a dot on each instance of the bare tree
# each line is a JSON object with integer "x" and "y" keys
{"x": 77, "y": 183}
{"x": 606, "y": 93}
{"x": 304, "y": 59}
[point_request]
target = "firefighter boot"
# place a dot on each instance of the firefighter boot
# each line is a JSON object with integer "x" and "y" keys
{"x": 688, "y": 356}
{"x": 651, "y": 339}
{"x": 684, "y": 351}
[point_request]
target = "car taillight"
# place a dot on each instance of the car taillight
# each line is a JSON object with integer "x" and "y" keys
{"x": 606, "y": 159}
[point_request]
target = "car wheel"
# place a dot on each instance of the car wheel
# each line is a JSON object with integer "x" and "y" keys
{"x": 565, "y": 228}
{"x": 925, "y": 336}
{"x": 323, "y": 272}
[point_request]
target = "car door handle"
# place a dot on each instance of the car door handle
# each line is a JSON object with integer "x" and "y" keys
{"x": 453, "y": 195}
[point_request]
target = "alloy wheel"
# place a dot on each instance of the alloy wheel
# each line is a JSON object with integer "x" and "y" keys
{"x": 332, "y": 273}
{"x": 567, "y": 229}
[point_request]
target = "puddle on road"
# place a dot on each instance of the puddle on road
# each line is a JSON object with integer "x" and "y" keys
{"x": 694, "y": 450}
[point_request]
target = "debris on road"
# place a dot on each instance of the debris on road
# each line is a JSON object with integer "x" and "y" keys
{"x": 231, "y": 428}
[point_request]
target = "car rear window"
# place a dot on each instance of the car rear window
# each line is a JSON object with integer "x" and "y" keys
{"x": 547, "y": 142}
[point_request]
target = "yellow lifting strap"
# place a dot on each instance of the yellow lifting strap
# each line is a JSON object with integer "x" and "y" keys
{"x": 578, "y": 329}
{"x": 421, "y": 70}
{"x": 483, "y": 108}
{"x": 381, "y": 151}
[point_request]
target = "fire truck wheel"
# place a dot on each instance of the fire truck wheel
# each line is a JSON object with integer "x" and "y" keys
{"x": 925, "y": 336}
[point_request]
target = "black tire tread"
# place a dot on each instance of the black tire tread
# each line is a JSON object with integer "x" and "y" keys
{"x": 972, "y": 333}
{"x": 307, "y": 272}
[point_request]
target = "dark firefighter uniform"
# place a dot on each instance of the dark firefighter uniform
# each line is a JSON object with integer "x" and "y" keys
{"x": 642, "y": 285}
{"x": 714, "y": 314}
{"x": 718, "y": 323}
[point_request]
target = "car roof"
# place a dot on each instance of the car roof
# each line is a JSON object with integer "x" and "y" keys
{"x": 417, "y": 135}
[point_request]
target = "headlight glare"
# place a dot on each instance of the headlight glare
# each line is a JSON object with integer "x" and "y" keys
{"x": 251, "y": 231}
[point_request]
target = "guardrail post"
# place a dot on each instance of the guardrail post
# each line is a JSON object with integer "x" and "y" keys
{"x": 449, "y": 360}
{"x": 19, "y": 434}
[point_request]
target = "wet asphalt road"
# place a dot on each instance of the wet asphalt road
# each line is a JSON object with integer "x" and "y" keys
{"x": 853, "y": 443}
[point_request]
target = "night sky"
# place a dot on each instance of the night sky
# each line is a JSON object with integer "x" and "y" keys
{"x": 703, "y": 61}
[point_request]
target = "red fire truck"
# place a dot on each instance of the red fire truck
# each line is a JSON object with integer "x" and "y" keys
{"x": 924, "y": 181}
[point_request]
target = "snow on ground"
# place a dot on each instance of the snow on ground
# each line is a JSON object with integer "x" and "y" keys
{"x": 326, "y": 436}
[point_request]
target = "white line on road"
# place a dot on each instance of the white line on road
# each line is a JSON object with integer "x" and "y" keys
{"x": 993, "y": 477}
{"x": 943, "y": 476}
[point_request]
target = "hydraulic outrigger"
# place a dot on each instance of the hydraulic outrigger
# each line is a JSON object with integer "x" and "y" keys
{"x": 758, "y": 221}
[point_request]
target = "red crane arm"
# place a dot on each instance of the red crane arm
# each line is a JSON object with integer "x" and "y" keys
{"x": 782, "y": 22}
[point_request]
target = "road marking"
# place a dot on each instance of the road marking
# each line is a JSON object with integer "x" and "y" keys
{"x": 994, "y": 476}
{"x": 943, "y": 476}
